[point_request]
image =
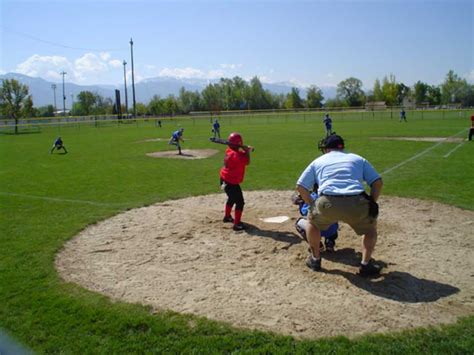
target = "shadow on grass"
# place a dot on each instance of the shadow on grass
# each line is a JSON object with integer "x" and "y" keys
{"x": 395, "y": 285}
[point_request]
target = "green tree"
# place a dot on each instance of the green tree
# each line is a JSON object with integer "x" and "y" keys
{"x": 257, "y": 97}
{"x": 402, "y": 92}
{"x": 390, "y": 90}
{"x": 15, "y": 101}
{"x": 141, "y": 109}
{"x": 336, "y": 102}
{"x": 45, "y": 111}
{"x": 350, "y": 91}
{"x": 156, "y": 106}
{"x": 170, "y": 105}
{"x": 103, "y": 105}
{"x": 377, "y": 94}
{"x": 189, "y": 101}
{"x": 293, "y": 99}
{"x": 213, "y": 97}
{"x": 434, "y": 95}
{"x": 87, "y": 100}
{"x": 314, "y": 97}
{"x": 454, "y": 89}
{"x": 420, "y": 92}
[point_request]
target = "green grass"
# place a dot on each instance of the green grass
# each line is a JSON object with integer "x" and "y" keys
{"x": 46, "y": 199}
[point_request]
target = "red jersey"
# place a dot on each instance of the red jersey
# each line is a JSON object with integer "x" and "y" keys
{"x": 234, "y": 166}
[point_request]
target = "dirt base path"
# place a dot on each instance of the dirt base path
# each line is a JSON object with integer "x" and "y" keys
{"x": 178, "y": 255}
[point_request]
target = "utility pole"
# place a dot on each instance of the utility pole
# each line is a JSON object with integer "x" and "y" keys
{"x": 125, "y": 84}
{"x": 133, "y": 81}
{"x": 53, "y": 86}
{"x": 64, "y": 95}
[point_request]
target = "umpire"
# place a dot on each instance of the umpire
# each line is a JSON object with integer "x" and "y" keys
{"x": 342, "y": 197}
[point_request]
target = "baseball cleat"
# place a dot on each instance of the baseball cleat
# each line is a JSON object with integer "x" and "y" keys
{"x": 369, "y": 270}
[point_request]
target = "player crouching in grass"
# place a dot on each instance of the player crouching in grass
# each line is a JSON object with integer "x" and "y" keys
{"x": 232, "y": 174}
{"x": 58, "y": 144}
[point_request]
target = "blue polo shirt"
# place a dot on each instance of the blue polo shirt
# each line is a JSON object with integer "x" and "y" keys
{"x": 338, "y": 173}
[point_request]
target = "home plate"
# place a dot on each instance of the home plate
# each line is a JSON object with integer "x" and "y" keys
{"x": 276, "y": 219}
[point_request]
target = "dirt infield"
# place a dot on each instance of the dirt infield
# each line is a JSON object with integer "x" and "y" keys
{"x": 178, "y": 255}
{"x": 186, "y": 154}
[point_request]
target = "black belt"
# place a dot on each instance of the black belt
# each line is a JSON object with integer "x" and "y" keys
{"x": 362, "y": 193}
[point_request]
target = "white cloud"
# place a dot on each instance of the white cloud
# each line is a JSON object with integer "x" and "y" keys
{"x": 215, "y": 74}
{"x": 105, "y": 56}
{"x": 44, "y": 66}
{"x": 88, "y": 68}
{"x": 183, "y": 73}
{"x": 115, "y": 63}
{"x": 231, "y": 66}
{"x": 88, "y": 63}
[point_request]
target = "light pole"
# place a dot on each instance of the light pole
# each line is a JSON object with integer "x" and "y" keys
{"x": 64, "y": 95}
{"x": 125, "y": 84}
{"x": 133, "y": 81}
{"x": 53, "y": 86}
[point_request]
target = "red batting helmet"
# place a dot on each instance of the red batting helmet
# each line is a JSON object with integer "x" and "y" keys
{"x": 235, "y": 139}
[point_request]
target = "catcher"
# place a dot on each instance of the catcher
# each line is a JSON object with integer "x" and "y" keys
{"x": 330, "y": 235}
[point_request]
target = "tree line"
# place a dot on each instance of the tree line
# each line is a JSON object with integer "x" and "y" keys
{"x": 238, "y": 94}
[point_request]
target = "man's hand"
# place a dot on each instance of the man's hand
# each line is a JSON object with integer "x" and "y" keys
{"x": 305, "y": 194}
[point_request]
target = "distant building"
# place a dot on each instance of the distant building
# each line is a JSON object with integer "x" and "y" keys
{"x": 408, "y": 103}
{"x": 61, "y": 112}
{"x": 375, "y": 106}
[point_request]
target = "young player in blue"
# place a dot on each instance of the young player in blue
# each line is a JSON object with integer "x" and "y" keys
{"x": 403, "y": 116}
{"x": 328, "y": 124}
{"x": 216, "y": 129}
{"x": 176, "y": 138}
{"x": 330, "y": 234}
{"x": 58, "y": 144}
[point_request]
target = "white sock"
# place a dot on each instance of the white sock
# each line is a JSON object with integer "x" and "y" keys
{"x": 364, "y": 263}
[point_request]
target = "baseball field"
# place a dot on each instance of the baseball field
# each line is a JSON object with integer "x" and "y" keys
{"x": 116, "y": 248}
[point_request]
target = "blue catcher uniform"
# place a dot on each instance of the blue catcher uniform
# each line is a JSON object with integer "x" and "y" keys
{"x": 330, "y": 234}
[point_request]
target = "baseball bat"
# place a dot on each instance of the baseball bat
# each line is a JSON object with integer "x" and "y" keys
{"x": 226, "y": 142}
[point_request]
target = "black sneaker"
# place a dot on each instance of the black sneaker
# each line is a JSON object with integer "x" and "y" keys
{"x": 238, "y": 227}
{"x": 369, "y": 270}
{"x": 330, "y": 245}
{"x": 228, "y": 219}
{"x": 313, "y": 264}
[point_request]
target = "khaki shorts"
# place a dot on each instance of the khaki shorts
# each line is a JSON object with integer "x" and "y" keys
{"x": 353, "y": 210}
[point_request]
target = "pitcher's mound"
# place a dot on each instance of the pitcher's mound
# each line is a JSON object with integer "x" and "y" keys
{"x": 179, "y": 255}
{"x": 186, "y": 154}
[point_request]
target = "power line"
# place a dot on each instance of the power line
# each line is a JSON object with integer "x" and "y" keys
{"x": 5, "y": 29}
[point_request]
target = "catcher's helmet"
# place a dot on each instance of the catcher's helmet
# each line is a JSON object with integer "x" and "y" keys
{"x": 235, "y": 138}
{"x": 333, "y": 141}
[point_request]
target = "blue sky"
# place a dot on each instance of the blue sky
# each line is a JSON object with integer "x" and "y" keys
{"x": 303, "y": 42}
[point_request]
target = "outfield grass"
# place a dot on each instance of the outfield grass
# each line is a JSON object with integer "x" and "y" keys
{"x": 46, "y": 199}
